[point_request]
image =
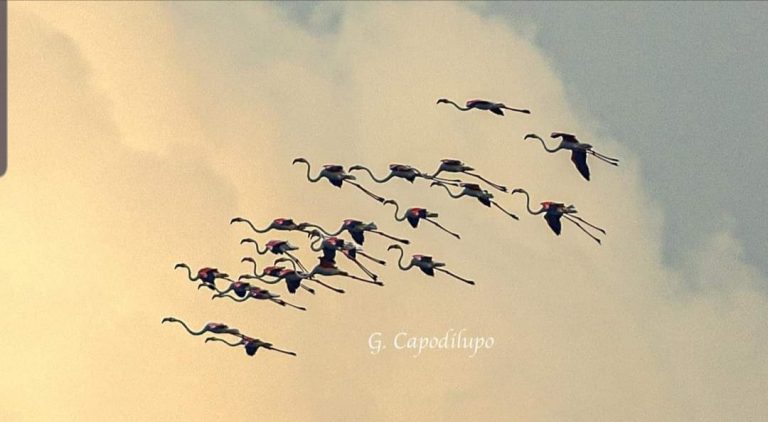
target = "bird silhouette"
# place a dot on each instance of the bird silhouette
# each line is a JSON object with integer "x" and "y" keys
{"x": 292, "y": 278}
{"x": 337, "y": 176}
{"x": 277, "y": 247}
{"x": 259, "y": 294}
{"x": 496, "y": 108}
{"x": 456, "y": 166}
{"x": 252, "y": 345}
{"x": 474, "y": 191}
{"x": 211, "y": 327}
{"x": 401, "y": 171}
{"x": 357, "y": 230}
{"x": 281, "y": 224}
{"x": 276, "y": 272}
{"x": 554, "y": 211}
{"x": 578, "y": 150}
{"x": 330, "y": 245}
{"x": 206, "y": 276}
{"x": 328, "y": 268}
{"x": 426, "y": 264}
{"x": 414, "y": 215}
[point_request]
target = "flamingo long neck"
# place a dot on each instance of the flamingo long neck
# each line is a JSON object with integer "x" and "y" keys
{"x": 225, "y": 342}
{"x": 323, "y": 230}
{"x": 255, "y": 268}
{"x": 234, "y": 298}
{"x": 400, "y": 261}
{"x": 189, "y": 274}
{"x": 215, "y": 288}
{"x": 528, "y": 204}
{"x": 189, "y": 330}
{"x": 458, "y": 106}
{"x": 451, "y": 193}
{"x": 545, "y": 146}
{"x": 314, "y": 242}
{"x": 256, "y": 245}
{"x": 370, "y": 173}
{"x": 397, "y": 210}
{"x": 254, "y": 227}
{"x": 309, "y": 176}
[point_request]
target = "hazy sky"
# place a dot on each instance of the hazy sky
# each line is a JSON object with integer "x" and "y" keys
{"x": 137, "y": 130}
{"x": 684, "y": 83}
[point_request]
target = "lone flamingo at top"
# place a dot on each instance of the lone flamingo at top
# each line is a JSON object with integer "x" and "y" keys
{"x": 414, "y": 215}
{"x": 554, "y": 211}
{"x": 282, "y": 224}
{"x": 456, "y": 166}
{"x": 578, "y": 150}
{"x": 207, "y": 276}
{"x": 211, "y": 327}
{"x": 474, "y": 191}
{"x": 401, "y": 171}
{"x": 496, "y": 108}
{"x": 251, "y": 345}
{"x": 357, "y": 230}
{"x": 425, "y": 264}
{"x": 337, "y": 176}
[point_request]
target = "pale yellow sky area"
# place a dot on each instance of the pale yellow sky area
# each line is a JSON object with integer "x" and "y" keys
{"x": 134, "y": 141}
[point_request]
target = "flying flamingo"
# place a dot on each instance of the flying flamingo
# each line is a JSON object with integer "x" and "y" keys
{"x": 337, "y": 176}
{"x": 330, "y": 245}
{"x": 292, "y": 278}
{"x": 260, "y": 294}
{"x": 456, "y": 166}
{"x": 282, "y": 224}
{"x": 271, "y": 271}
{"x": 496, "y": 108}
{"x": 474, "y": 191}
{"x": 276, "y": 271}
{"x": 211, "y": 327}
{"x": 578, "y": 150}
{"x": 268, "y": 271}
{"x": 328, "y": 268}
{"x": 357, "y": 230}
{"x": 553, "y": 211}
{"x": 414, "y": 215}
{"x": 251, "y": 345}
{"x": 277, "y": 247}
{"x": 402, "y": 171}
{"x": 207, "y": 276}
{"x": 240, "y": 288}
{"x": 425, "y": 264}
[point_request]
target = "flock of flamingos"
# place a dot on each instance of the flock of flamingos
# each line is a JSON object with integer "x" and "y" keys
{"x": 294, "y": 274}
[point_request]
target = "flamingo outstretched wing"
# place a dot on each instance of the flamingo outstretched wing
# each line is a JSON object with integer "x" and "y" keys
{"x": 579, "y": 158}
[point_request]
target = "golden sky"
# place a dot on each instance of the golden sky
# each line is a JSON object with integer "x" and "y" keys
{"x": 137, "y": 130}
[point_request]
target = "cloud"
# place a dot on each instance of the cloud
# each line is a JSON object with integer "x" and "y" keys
{"x": 121, "y": 169}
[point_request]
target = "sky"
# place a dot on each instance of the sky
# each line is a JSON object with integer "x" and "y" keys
{"x": 138, "y": 130}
